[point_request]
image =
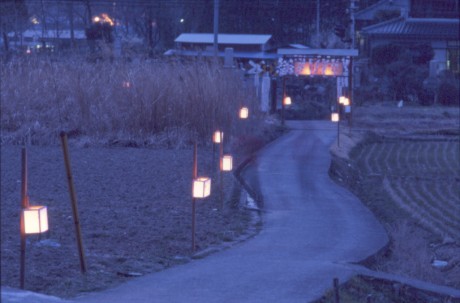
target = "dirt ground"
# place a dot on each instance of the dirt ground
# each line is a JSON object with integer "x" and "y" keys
{"x": 135, "y": 207}
{"x": 135, "y": 215}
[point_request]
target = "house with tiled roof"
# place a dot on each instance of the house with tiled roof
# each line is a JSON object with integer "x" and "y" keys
{"x": 416, "y": 25}
{"x": 244, "y": 46}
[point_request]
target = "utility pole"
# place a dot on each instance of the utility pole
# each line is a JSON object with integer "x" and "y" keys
{"x": 352, "y": 16}
{"x": 351, "y": 71}
{"x": 216, "y": 27}
{"x": 317, "y": 19}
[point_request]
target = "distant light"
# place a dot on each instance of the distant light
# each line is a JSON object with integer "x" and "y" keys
{"x": 104, "y": 18}
{"x": 182, "y": 20}
{"x": 34, "y": 20}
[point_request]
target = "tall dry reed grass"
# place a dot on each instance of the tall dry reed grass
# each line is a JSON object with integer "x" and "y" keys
{"x": 146, "y": 101}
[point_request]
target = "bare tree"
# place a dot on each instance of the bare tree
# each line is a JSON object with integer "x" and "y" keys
{"x": 14, "y": 17}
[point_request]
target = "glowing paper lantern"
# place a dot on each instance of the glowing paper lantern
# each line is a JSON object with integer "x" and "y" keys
{"x": 344, "y": 100}
{"x": 244, "y": 113}
{"x": 306, "y": 70}
{"x": 217, "y": 136}
{"x": 335, "y": 117}
{"x": 227, "y": 163}
{"x": 35, "y": 219}
{"x": 328, "y": 71}
{"x": 287, "y": 100}
{"x": 201, "y": 187}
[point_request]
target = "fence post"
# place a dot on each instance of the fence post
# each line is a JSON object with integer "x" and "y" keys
{"x": 336, "y": 290}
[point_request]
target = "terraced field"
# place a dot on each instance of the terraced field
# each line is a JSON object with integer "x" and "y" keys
{"x": 421, "y": 176}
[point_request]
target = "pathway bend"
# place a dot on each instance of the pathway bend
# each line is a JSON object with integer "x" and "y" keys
{"x": 312, "y": 228}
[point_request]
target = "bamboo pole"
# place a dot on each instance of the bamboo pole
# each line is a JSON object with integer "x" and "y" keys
{"x": 221, "y": 183}
{"x": 336, "y": 290}
{"x": 194, "y": 176}
{"x": 282, "y": 102}
{"x": 73, "y": 200}
{"x": 24, "y": 205}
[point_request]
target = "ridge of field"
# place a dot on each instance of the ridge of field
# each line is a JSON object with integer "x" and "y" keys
{"x": 404, "y": 164}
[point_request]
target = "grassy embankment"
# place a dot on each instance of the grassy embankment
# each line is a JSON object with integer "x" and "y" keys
{"x": 404, "y": 164}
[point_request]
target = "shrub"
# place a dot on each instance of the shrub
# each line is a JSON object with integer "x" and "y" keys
{"x": 448, "y": 93}
{"x": 385, "y": 54}
{"x": 422, "y": 54}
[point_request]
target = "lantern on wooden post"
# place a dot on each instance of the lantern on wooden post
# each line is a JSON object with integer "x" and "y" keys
{"x": 287, "y": 101}
{"x": 218, "y": 136}
{"x": 35, "y": 219}
{"x": 344, "y": 101}
{"x": 244, "y": 113}
{"x": 201, "y": 187}
{"x": 227, "y": 163}
{"x": 335, "y": 117}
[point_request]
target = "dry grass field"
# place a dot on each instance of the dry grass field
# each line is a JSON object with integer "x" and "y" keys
{"x": 131, "y": 127}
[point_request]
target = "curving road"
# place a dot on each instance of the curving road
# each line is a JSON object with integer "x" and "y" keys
{"x": 312, "y": 229}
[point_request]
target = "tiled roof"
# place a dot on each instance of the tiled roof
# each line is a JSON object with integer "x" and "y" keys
{"x": 223, "y": 38}
{"x": 236, "y": 54}
{"x": 384, "y": 5}
{"x": 412, "y": 27}
{"x": 38, "y": 33}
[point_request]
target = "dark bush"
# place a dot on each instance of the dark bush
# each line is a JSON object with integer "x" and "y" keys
{"x": 426, "y": 97}
{"x": 448, "y": 93}
{"x": 422, "y": 54}
{"x": 385, "y": 54}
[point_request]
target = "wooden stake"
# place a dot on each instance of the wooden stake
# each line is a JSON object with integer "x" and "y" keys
{"x": 24, "y": 205}
{"x": 336, "y": 290}
{"x": 73, "y": 199}
{"x": 221, "y": 166}
{"x": 194, "y": 176}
